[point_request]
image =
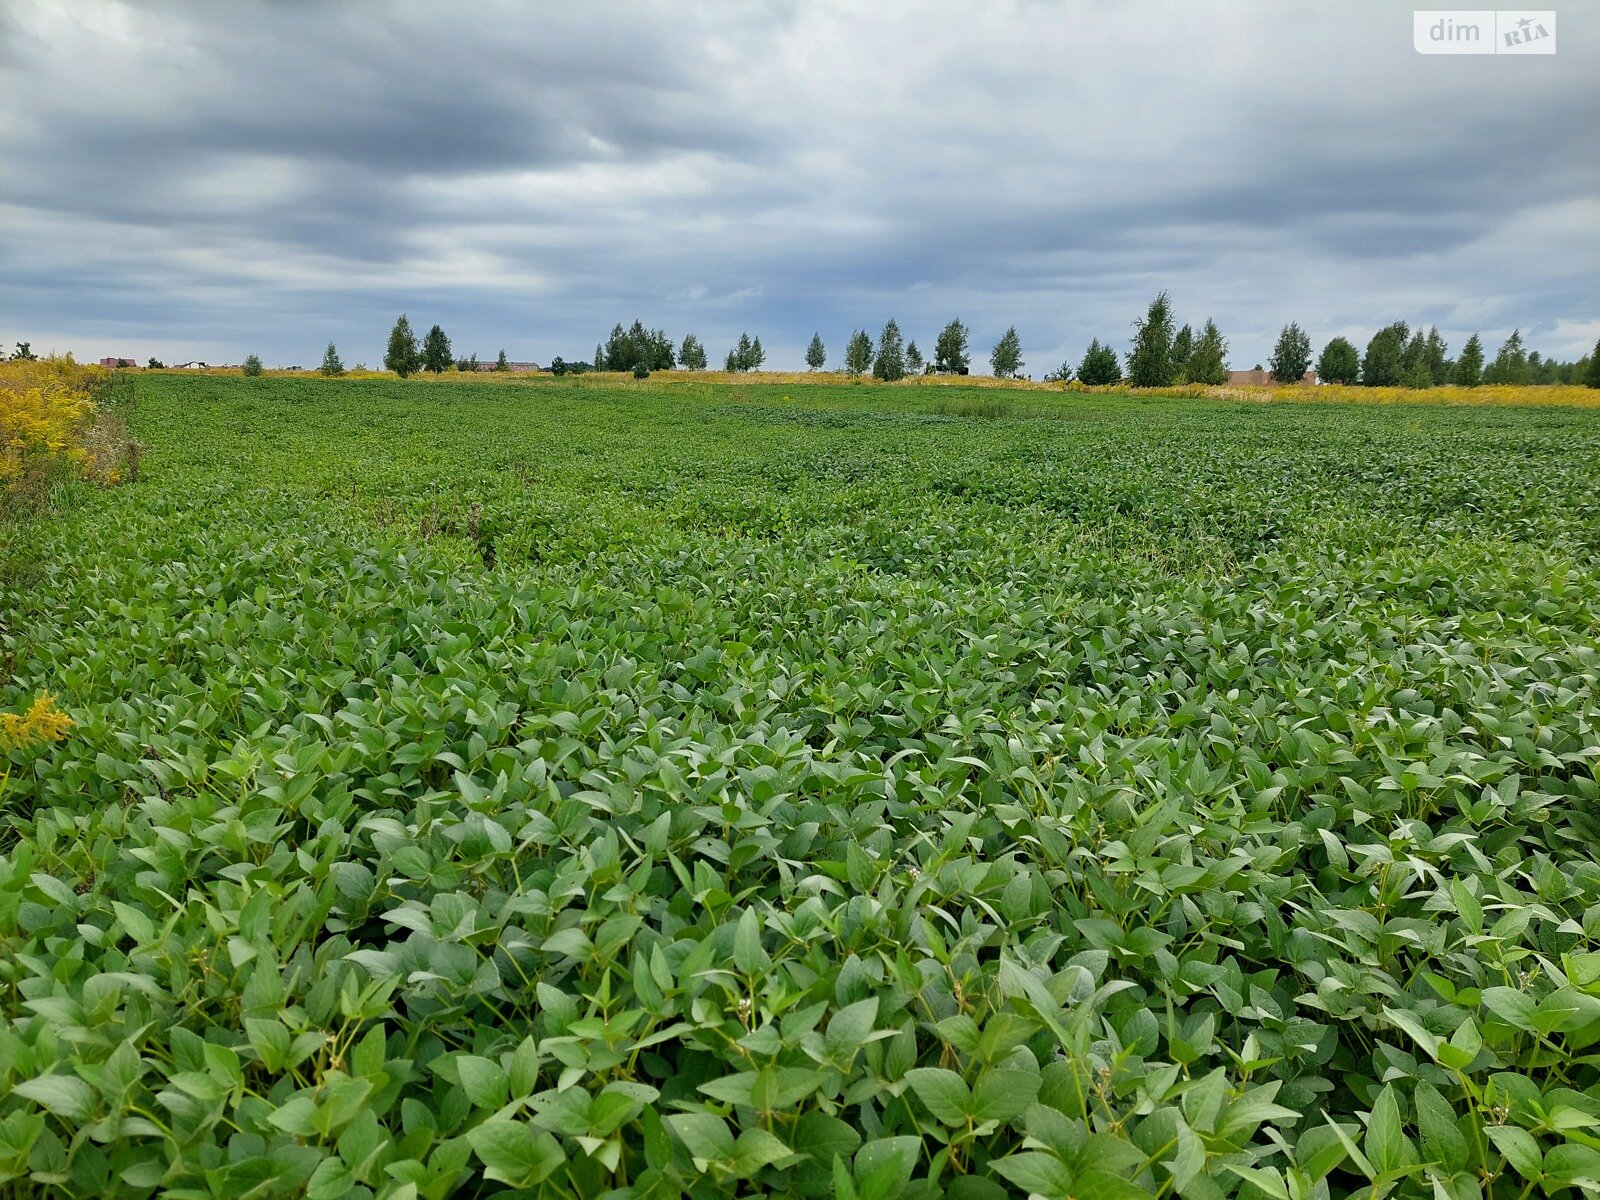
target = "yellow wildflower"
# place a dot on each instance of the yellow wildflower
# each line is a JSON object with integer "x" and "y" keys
{"x": 42, "y": 723}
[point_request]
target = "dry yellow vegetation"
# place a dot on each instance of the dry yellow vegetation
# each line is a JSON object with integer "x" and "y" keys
{"x": 53, "y": 428}
{"x": 1488, "y": 394}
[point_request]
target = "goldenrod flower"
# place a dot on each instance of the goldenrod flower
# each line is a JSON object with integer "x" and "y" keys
{"x": 42, "y": 723}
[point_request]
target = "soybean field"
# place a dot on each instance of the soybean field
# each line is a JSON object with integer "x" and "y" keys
{"x": 672, "y": 789}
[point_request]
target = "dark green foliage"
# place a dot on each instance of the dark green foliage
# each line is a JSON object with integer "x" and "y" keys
{"x": 1510, "y": 365}
{"x": 858, "y": 353}
{"x": 914, "y": 361}
{"x": 501, "y": 362}
{"x": 950, "y": 356}
{"x": 1437, "y": 355}
{"x": 331, "y": 363}
{"x": 1099, "y": 366}
{"x": 816, "y": 353}
{"x": 1469, "y": 367}
{"x": 1182, "y": 348}
{"x": 1382, "y": 364}
{"x": 1591, "y": 373}
{"x": 1208, "y": 364}
{"x": 889, "y": 364}
{"x": 628, "y": 348}
{"x": 436, "y": 356}
{"x": 692, "y": 357}
{"x": 252, "y": 364}
{"x": 1339, "y": 362}
{"x": 1006, "y": 357}
{"x": 155, "y": 364}
{"x": 1291, "y": 357}
{"x": 402, "y": 356}
{"x": 1062, "y": 374}
{"x": 1150, "y": 359}
{"x": 746, "y": 355}
{"x": 818, "y": 791}
{"x": 1414, "y": 362}
{"x": 640, "y": 371}
{"x": 24, "y": 353}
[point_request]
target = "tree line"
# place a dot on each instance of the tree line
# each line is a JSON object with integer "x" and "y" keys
{"x": 1160, "y": 355}
{"x": 1398, "y": 356}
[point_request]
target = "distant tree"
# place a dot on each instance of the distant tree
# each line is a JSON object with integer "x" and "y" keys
{"x": 758, "y": 356}
{"x": 1099, "y": 366}
{"x": 1006, "y": 357}
{"x": 651, "y": 347}
{"x": 1381, "y": 366}
{"x": 617, "y": 355}
{"x": 599, "y": 357}
{"x": 742, "y": 356}
{"x": 1291, "y": 357}
{"x": 1416, "y": 352}
{"x": 1062, "y": 374}
{"x": 1150, "y": 360}
{"x": 252, "y": 364}
{"x": 558, "y": 366}
{"x": 890, "y": 363}
{"x": 1511, "y": 364}
{"x": 1591, "y": 373}
{"x": 1417, "y": 375}
{"x": 950, "y": 350}
{"x": 816, "y": 353}
{"x": 914, "y": 363}
{"x": 627, "y": 348}
{"x": 1339, "y": 363}
{"x": 24, "y": 353}
{"x": 1437, "y": 353}
{"x": 640, "y": 371}
{"x": 155, "y": 364}
{"x": 692, "y": 354}
{"x": 1182, "y": 347}
{"x": 1208, "y": 364}
{"x": 436, "y": 351}
{"x": 330, "y": 362}
{"x": 402, "y": 356}
{"x": 858, "y": 353}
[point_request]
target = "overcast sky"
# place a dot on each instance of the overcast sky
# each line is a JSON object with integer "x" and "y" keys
{"x": 211, "y": 179}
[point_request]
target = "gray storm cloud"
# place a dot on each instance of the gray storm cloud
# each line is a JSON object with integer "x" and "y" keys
{"x": 183, "y": 179}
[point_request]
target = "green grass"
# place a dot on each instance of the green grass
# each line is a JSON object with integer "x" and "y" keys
{"x": 779, "y": 789}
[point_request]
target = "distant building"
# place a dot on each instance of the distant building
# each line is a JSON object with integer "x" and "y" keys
{"x": 1261, "y": 377}
{"x": 189, "y": 366}
{"x": 116, "y": 362}
{"x": 520, "y": 367}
